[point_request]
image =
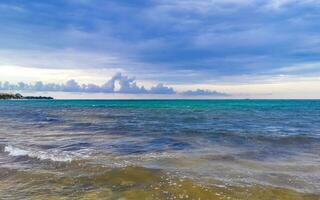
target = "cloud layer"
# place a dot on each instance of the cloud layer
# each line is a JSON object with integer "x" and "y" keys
{"x": 117, "y": 84}
{"x": 238, "y": 46}
{"x": 165, "y": 40}
{"x": 200, "y": 92}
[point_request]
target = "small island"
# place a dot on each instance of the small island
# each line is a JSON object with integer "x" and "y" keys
{"x": 7, "y": 96}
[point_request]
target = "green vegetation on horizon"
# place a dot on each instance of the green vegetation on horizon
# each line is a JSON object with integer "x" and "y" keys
{"x": 7, "y": 96}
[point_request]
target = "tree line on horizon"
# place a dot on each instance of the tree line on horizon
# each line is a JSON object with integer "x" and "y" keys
{"x": 8, "y": 96}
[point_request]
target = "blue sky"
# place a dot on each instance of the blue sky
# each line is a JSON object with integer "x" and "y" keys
{"x": 242, "y": 47}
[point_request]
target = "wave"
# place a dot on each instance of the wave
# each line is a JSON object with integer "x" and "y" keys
{"x": 53, "y": 155}
{"x": 283, "y": 139}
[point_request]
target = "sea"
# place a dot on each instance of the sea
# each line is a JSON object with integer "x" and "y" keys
{"x": 160, "y": 149}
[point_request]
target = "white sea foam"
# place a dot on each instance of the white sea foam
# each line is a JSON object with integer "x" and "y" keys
{"x": 53, "y": 155}
{"x": 15, "y": 151}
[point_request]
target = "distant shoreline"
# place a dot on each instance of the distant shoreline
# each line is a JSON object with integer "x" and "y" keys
{"x": 7, "y": 96}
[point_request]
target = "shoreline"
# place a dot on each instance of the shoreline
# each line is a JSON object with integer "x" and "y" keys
{"x": 85, "y": 181}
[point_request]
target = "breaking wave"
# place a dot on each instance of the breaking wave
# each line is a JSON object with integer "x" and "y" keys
{"x": 53, "y": 155}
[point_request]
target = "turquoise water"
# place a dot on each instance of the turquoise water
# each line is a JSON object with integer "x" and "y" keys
{"x": 235, "y": 142}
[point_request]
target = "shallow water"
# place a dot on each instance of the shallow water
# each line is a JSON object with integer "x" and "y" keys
{"x": 159, "y": 149}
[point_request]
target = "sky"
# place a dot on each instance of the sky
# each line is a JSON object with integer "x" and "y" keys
{"x": 161, "y": 48}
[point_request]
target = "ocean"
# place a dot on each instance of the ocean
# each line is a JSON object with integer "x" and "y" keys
{"x": 160, "y": 149}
